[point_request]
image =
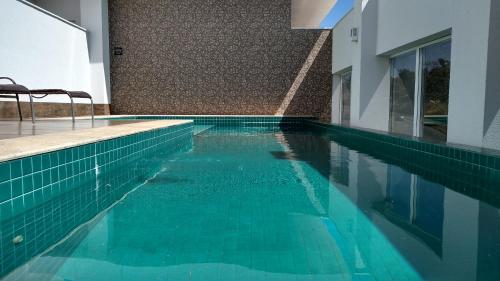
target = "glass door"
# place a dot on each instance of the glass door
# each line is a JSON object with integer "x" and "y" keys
{"x": 420, "y": 81}
{"x": 435, "y": 90}
{"x": 402, "y": 94}
{"x": 345, "y": 109}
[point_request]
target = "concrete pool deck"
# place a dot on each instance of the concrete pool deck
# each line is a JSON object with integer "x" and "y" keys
{"x": 59, "y": 134}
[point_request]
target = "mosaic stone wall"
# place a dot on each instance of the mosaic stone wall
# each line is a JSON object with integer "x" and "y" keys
{"x": 214, "y": 57}
{"x": 8, "y": 109}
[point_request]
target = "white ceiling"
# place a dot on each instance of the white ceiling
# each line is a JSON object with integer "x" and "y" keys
{"x": 308, "y": 14}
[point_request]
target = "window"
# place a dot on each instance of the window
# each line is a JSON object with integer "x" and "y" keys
{"x": 345, "y": 116}
{"x": 435, "y": 90}
{"x": 419, "y": 92}
{"x": 402, "y": 94}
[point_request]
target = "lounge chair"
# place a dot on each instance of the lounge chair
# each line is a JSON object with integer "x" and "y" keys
{"x": 71, "y": 94}
{"x": 12, "y": 91}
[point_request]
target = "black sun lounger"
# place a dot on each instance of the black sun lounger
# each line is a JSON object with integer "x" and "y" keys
{"x": 12, "y": 91}
{"x": 71, "y": 94}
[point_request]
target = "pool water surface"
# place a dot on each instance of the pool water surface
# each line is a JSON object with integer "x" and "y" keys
{"x": 266, "y": 204}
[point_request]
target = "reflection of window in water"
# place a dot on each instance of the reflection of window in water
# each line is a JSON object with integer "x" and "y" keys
{"x": 415, "y": 205}
{"x": 339, "y": 166}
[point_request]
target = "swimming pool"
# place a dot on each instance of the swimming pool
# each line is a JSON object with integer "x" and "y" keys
{"x": 269, "y": 204}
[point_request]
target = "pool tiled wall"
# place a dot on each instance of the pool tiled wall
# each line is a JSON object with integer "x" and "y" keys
{"x": 228, "y": 120}
{"x": 52, "y": 193}
{"x": 469, "y": 156}
{"x": 29, "y": 181}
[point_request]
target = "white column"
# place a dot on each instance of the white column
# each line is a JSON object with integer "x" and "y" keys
{"x": 472, "y": 81}
{"x": 94, "y": 17}
{"x": 371, "y": 80}
{"x": 492, "y": 104}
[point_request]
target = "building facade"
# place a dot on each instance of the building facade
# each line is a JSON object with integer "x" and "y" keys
{"x": 421, "y": 68}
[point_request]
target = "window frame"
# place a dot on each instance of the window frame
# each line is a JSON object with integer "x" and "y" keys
{"x": 418, "y": 110}
{"x": 341, "y": 103}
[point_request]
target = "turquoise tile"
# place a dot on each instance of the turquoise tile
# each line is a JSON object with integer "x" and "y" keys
{"x": 16, "y": 169}
{"x": 6, "y": 210}
{"x": 27, "y": 183}
{"x": 54, "y": 159}
{"x": 17, "y": 187}
{"x": 45, "y": 161}
{"x": 62, "y": 172}
{"x": 68, "y": 155}
{"x": 37, "y": 163}
{"x": 29, "y": 201}
{"x": 47, "y": 193}
{"x": 46, "y": 178}
{"x": 61, "y": 155}
{"x": 54, "y": 175}
{"x": 56, "y": 189}
{"x": 5, "y": 191}
{"x": 38, "y": 196}
{"x": 17, "y": 206}
{"x": 37, "y": 180}
{"x": 27, "y": 166}
{"x": 4, "y": 171}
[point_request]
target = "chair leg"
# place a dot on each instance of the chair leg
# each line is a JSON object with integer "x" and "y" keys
{"x": 19, "y": 108}
{"x": 92, "y": 108}
{"x": 32, "y": 109}
{"x": 72, "y": 109}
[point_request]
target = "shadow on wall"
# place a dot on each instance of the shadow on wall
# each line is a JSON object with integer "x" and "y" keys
{"x": 221, "y": 57}
{"x": 375, "y": 86}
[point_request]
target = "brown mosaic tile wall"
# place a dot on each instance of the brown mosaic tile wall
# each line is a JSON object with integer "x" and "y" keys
{"x": 8, "y": 109}
{"x": 214, "y": 57}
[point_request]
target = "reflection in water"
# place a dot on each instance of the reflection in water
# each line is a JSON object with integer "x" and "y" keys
{"x": 445, "y": 234}
{"x": 269, "y": 205}
{"x": 415, "y": 205}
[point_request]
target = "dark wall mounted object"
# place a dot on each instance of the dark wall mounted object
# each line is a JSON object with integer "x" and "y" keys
{"x": 117, "y": 51}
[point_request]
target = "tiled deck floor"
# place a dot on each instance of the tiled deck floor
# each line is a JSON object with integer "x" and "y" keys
{"x": 13, "y": 129}
{"x": 23, "y": 139}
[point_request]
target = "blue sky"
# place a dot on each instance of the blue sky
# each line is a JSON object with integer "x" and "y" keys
{"x": 337, "y": 13}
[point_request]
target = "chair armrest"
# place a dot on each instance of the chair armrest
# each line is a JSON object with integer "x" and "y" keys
{"x": 10, "y": 79}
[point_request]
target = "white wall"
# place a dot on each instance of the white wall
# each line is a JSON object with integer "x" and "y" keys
{"x": 492, "y": 99}
{"x": 387, "y": 27}
{"x": 342, "y": 46}
{"x": 474, "y": 116}
{"x": 403, "y": 23}
{"x": 41, "y": 51}
{"x": 342, "y": 57}
{"x": 370, "y": 83}
{"x": 94, "y": 15}
{"x": 374, "y": 90}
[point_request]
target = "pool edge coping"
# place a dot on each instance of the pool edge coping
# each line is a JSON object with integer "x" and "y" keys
{"x": 16, "y": 148}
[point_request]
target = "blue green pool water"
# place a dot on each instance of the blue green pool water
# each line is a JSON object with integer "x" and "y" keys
{"x": 265, "y": 204}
